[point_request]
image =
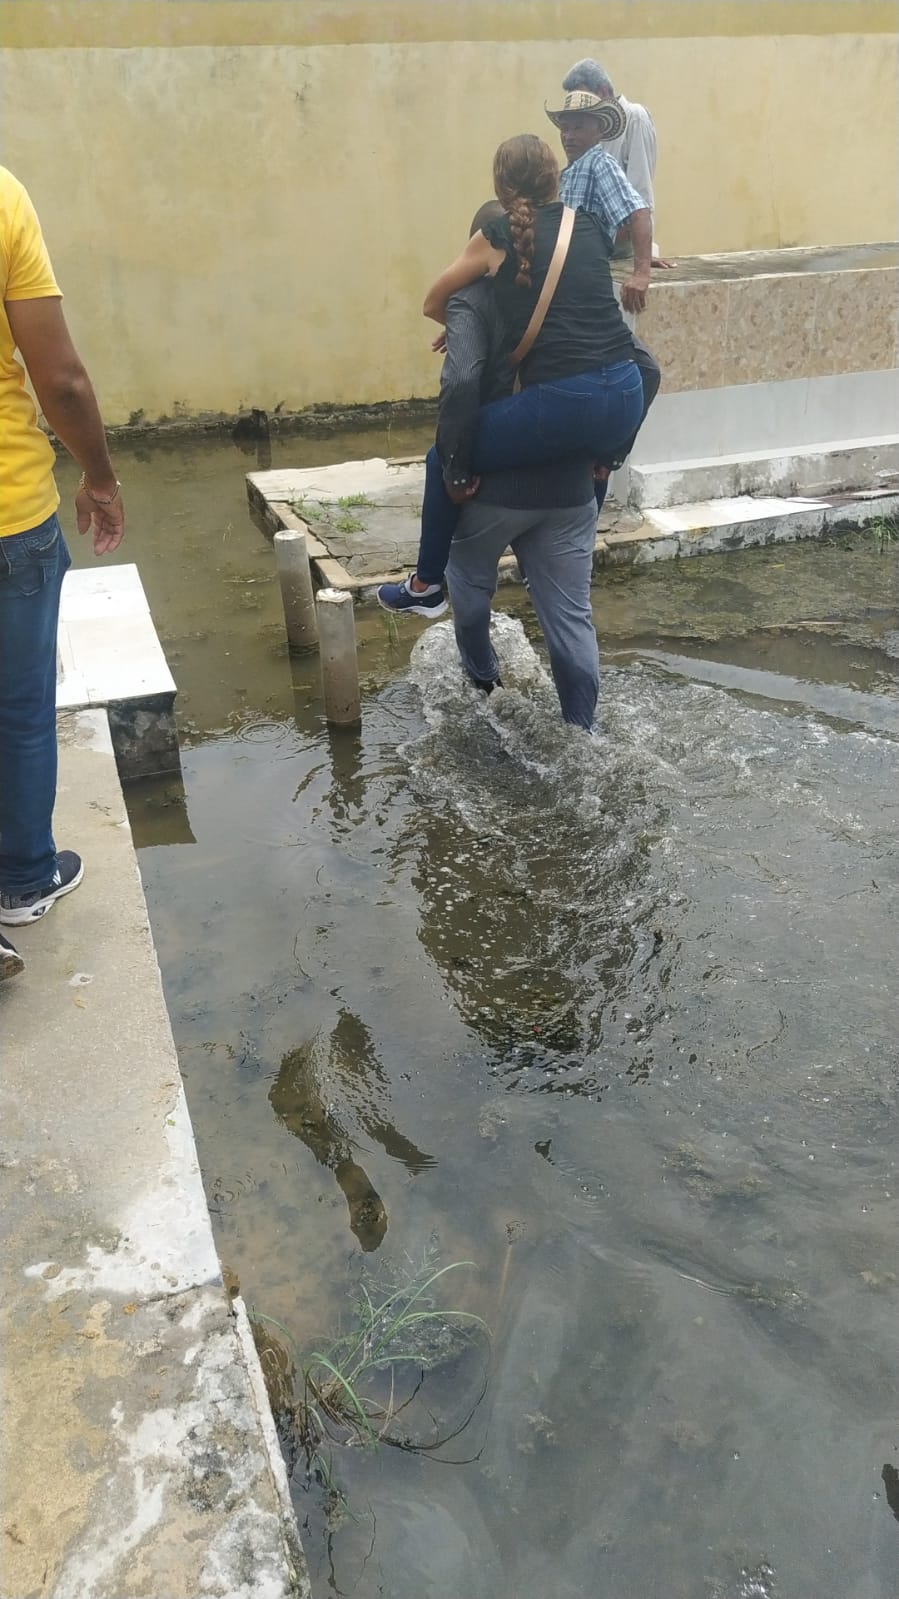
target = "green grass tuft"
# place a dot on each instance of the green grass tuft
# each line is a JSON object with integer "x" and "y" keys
{"x": 353, "y": 1391}
{"x": 885, "y": 532}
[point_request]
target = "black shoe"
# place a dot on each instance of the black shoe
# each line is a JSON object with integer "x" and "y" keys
{"x": 16, "y": 910}
{"x": 486, "y": 684}
{"x": 11, "y": 962}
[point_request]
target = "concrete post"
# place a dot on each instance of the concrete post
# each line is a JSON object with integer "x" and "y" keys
{"x": 297, "y": 595}
{"x": 337, "y": 653}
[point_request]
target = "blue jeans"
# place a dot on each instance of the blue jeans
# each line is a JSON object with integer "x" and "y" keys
{"x": 557, "y": 549}
{"x": 592, "y": 414}
{"x": 32, "y": 567}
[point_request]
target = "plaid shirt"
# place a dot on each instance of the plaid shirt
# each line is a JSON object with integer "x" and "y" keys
{"x": 596, "y": 183}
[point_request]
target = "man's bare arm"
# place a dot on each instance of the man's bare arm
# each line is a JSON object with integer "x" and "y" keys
{"x": 634, "y": 289}
{"x": 66, "y": 397}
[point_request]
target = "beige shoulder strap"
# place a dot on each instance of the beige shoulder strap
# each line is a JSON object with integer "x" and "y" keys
{"x": 551, "y": 283}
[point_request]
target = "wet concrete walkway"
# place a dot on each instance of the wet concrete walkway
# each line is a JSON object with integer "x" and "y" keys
{"x": 140, "y": 1459}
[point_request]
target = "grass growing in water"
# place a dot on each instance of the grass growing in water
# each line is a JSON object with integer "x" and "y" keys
{"x": 353, "y": 1392}
{"x": 315, "y": 511}
{"x": 885, "y": 531}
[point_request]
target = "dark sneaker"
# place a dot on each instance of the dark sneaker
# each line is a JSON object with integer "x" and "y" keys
{"x": 18, "y": 909}
{"x": 402, "y": 597}
{"x": 11, "y": 962}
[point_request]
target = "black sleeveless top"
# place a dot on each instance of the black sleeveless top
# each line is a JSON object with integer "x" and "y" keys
{"x": 584, "y": 328}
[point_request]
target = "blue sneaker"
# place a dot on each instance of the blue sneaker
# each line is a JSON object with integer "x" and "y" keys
{"x": 16, "y": 910}
{"x": 402, "y": 597}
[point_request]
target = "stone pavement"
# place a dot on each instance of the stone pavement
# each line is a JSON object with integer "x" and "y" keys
{"x": 139, "y": 1455}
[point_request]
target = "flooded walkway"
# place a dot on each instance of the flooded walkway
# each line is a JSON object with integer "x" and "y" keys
{"x": 613, "y": 1020}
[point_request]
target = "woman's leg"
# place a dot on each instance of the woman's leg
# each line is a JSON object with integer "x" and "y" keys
{"x": 421, "y": 593}
{"x": 588, "y": 415}
{"x": 438, "y": 523}
{"x": 547, "y": 422}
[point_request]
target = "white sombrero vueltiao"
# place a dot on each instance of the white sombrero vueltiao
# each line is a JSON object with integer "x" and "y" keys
{"x": 581, "y": 103}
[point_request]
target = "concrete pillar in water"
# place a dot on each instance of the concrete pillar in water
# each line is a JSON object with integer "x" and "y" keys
{"x": 297, "y": 595}
{"x": 337, "y": 653}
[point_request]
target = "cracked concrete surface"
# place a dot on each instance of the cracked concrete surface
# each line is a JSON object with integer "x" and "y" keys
{"x": 139, "y": 1458}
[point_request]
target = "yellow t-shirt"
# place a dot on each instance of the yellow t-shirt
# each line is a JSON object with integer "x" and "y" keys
{"x": 28, "y": 493}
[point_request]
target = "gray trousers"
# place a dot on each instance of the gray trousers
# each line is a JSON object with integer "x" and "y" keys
{"x": 555, "y": 549}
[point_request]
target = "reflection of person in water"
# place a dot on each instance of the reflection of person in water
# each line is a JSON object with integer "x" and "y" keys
{"x": 309, "y": 1079}
{"x": 541, "y": 942}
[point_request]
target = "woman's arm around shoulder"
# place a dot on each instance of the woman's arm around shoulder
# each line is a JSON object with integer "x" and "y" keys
{"x": 478, "y": 260}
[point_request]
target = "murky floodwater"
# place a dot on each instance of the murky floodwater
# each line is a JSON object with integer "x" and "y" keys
{"x": 614, "y": 1020}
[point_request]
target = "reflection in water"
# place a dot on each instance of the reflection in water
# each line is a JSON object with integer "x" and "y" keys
{"x": 252, "y": 435}
{"x": 890, "y": 1478}
{"x": 159, "y": 811}
{"x": 347, "y": 1061}
{"x": 540, "y": 931}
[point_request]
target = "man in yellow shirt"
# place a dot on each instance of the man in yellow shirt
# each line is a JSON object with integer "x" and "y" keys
{"x": 33, "y": 555}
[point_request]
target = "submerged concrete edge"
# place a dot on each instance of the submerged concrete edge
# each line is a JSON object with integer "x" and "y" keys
{"x": 280, "y": 1483}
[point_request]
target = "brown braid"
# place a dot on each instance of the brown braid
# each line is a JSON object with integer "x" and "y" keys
{"x": 521, "y": 227}
{"x": 525, "y": 176}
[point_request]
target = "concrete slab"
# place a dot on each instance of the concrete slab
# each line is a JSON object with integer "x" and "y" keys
{"x": 108, "y": 648}
{"x": 138, "y": 1453}
{"x": 717, "y": 527}
{"x": 819, "y": 469}
{"x": 108, "y": 655}
{"x": 625, "y": 535}
{"x": 364, "y": 513}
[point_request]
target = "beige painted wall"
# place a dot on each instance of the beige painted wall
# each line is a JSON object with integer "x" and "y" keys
{"x": 245, "y": 206}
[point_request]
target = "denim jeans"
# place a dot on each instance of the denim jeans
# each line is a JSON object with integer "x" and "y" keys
{"x": 557, "y": 549}
{"x": 32, "y": 567}
{"x": 592, "y": 414}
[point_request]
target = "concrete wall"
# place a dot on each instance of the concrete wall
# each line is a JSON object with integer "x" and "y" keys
{"x": 717, "y": 334}
{"x": 245, "y": 199}
{"x": 795, "y": 414}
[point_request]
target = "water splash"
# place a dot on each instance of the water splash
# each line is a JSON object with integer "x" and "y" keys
{"x": 538, "y": 893}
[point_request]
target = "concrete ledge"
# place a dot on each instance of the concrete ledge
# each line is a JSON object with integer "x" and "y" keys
{"x": 138, "y": 1457}
{"x": 815, "y": 470}
{"x": 625, "y": 536}
{"x": 109, "y": 656}
{"x": 719, "y": 526}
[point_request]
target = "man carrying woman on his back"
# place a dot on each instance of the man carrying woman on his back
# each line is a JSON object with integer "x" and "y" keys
{"x": 582, "y": 393}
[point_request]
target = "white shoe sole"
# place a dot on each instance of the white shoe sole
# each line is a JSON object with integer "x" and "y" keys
{"x": 34, "y": 913}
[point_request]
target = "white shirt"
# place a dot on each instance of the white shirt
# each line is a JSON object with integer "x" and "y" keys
{"x": 636, "y": 150}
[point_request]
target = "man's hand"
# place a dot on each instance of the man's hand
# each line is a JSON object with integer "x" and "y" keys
{"x": 438, "y": 345}
{"x": 634, "y": 290}
{"x": 106, "y": 522}
{"x": 459, "y": 493}
{"x": 661, "y": 265}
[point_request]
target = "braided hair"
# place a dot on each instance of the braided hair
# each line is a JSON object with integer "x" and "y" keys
{"x": 525, "y": 176}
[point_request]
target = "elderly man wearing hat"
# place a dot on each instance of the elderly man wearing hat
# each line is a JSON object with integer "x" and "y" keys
{"x": 594, "y": 182}
{"x": 636, "y": 148}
